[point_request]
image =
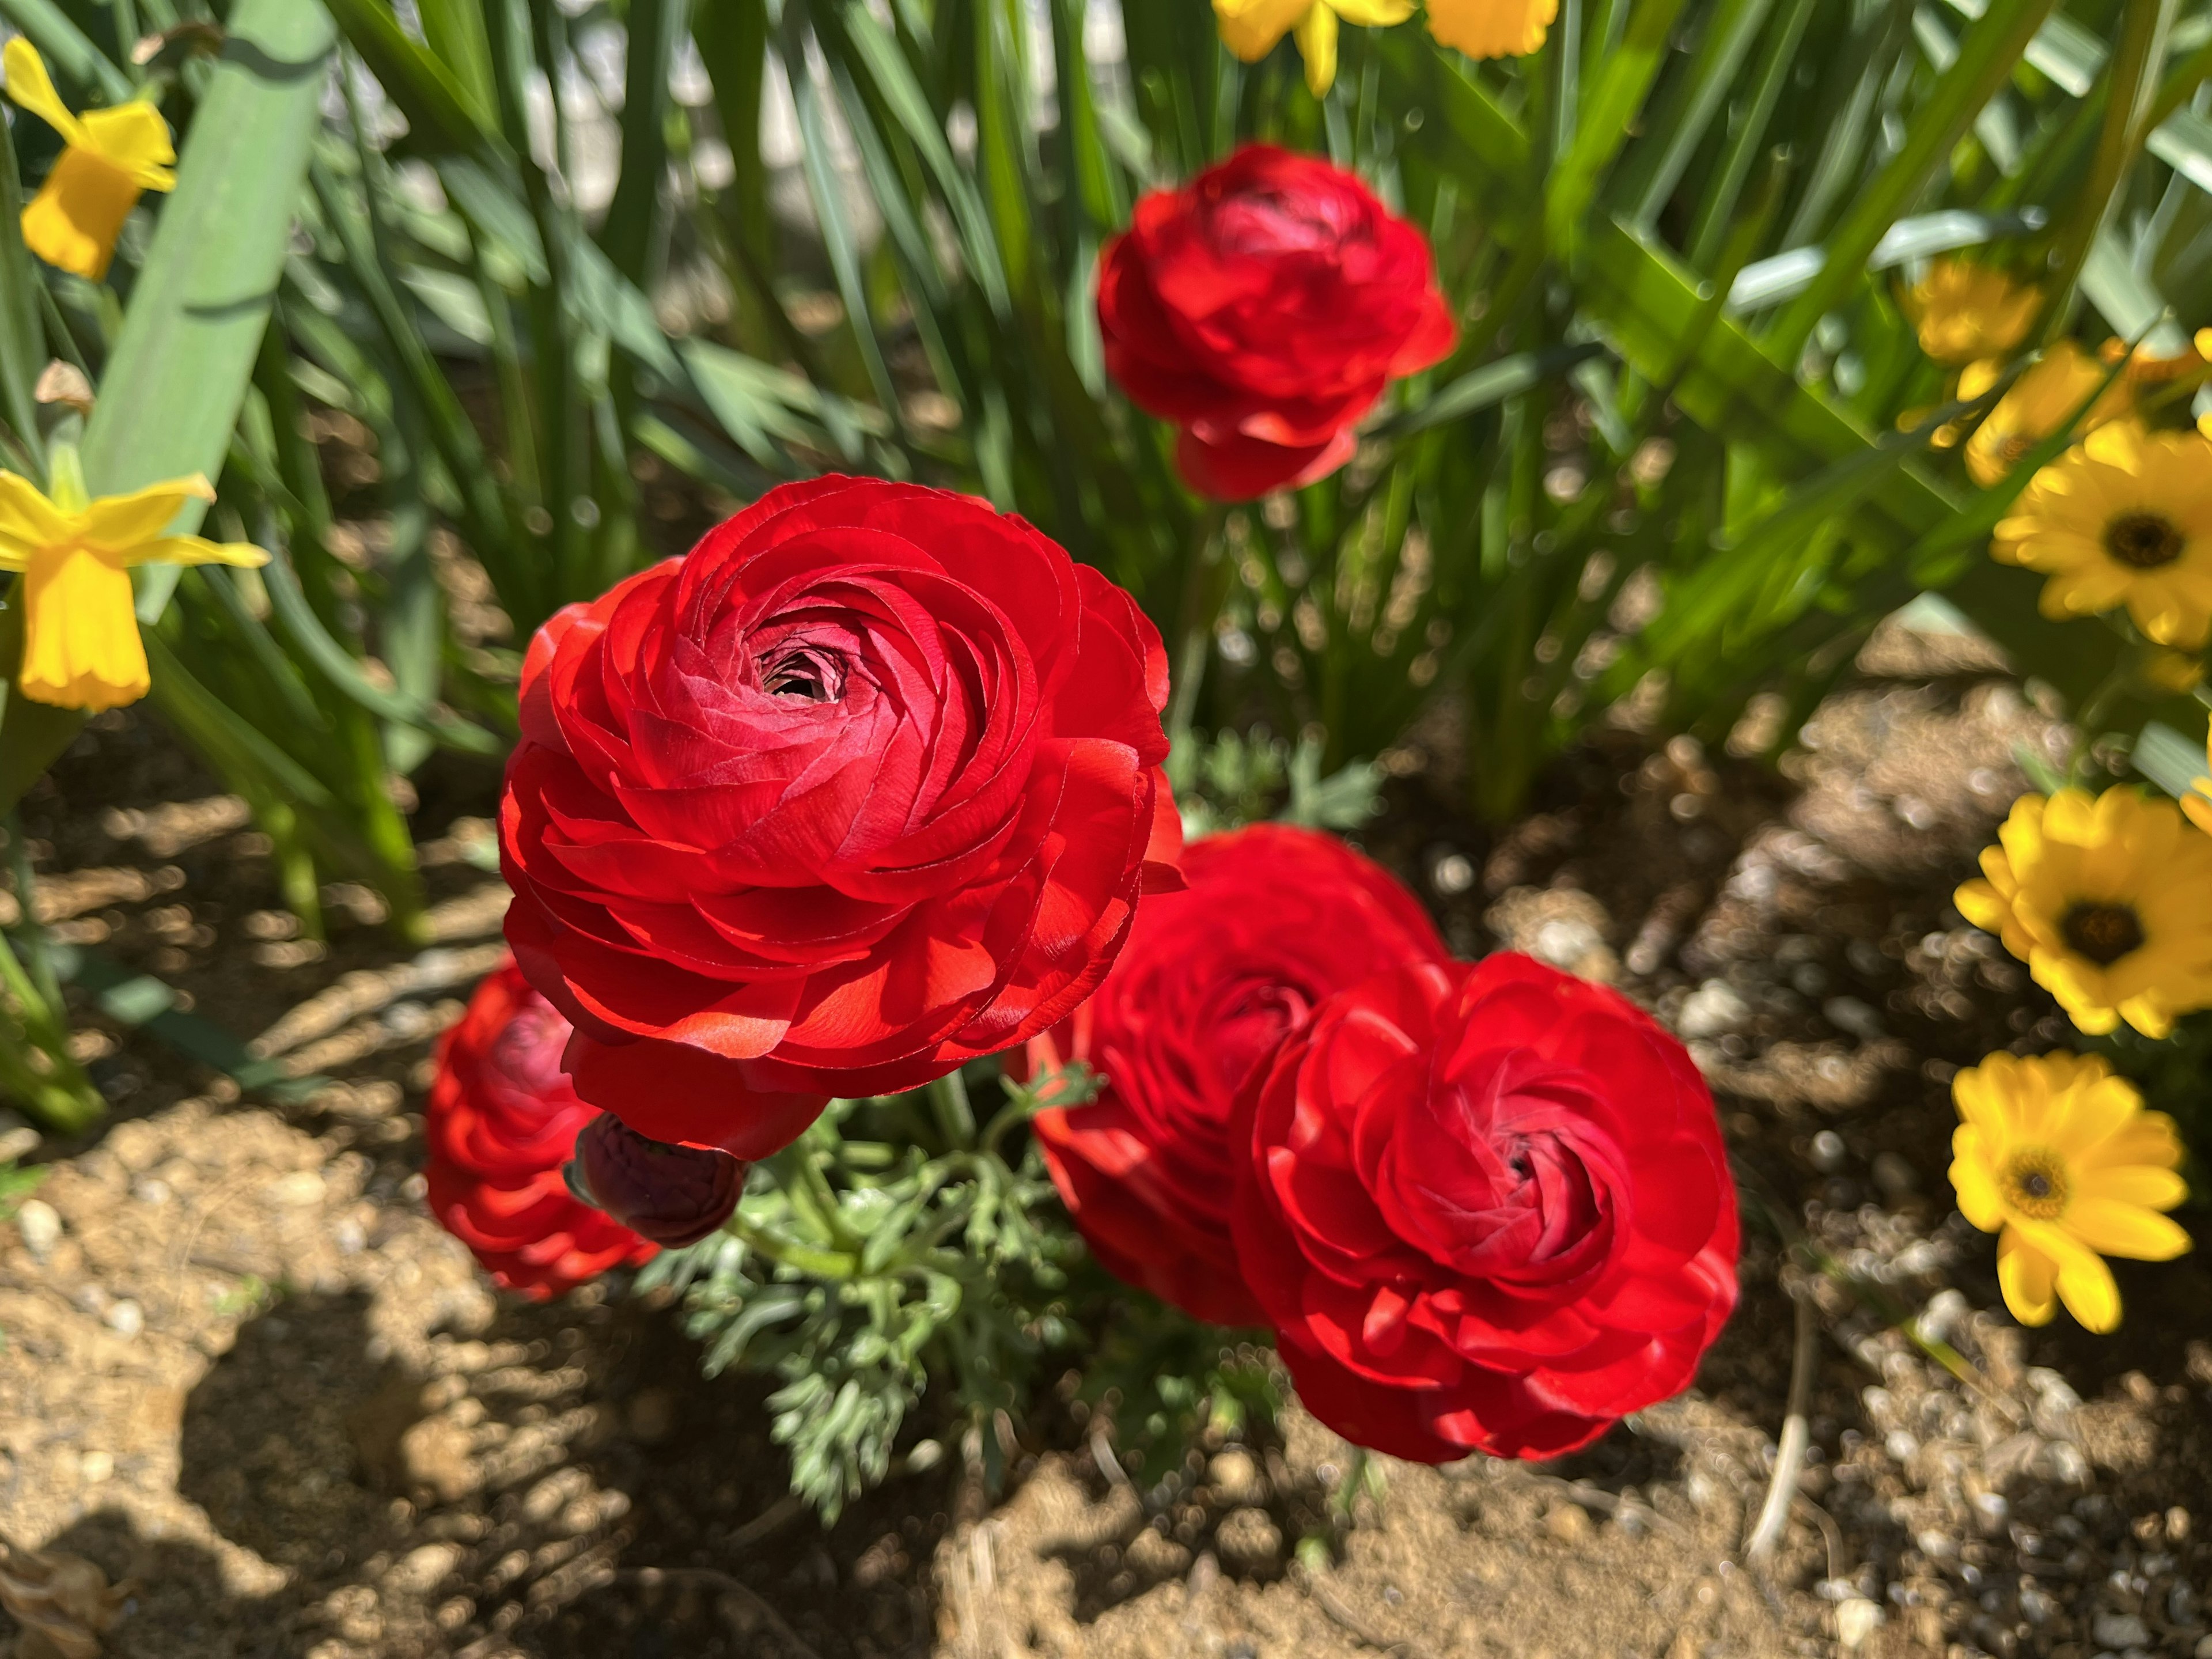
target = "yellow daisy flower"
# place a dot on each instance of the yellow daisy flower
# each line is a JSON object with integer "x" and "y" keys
{"x": 2124, "y": 517}
{"x": 80, "y": 644}
{"x": 1492, "y": 28}
{"x": 2057, "y": 1157}
{"x": 2108, "y": 900}
{"x": 1250, "y": 28}
{"x": 112, "y": 155}
{"x": 1965, "y": 311}
{"x": 2037, "y": 405}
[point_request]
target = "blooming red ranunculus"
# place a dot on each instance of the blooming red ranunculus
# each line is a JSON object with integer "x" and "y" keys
{"x": 1486, "y": 1208}
{"x": 1211, "y": 980}
{"x": 863, "y": 786}
{"x": 1262, "y": 308}
{"x": 499, "y": 1122}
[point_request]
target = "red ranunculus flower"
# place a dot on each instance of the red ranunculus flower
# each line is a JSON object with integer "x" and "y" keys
{"x": 1262, "y": 308}
{"x": 1486, "y": 1208}
{"x": 1211, "y": 981}
{"x": 863, "y": 786}
{"x": 501, "y": 1121}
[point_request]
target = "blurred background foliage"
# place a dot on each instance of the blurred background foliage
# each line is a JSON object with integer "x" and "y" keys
{"x": 472, "y": 307}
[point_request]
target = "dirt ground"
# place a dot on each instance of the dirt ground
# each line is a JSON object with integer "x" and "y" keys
{"x": 244, "y": 1371}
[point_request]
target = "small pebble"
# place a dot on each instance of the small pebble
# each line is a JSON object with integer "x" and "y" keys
{"x": 1568, "y": 1523}
{"x": 1893, "y": 1175}
{"x": 2204, "y": 1647}
{"x": 1453, "y": 874}
{"x": 1900, "y": 1446}
{"x": 2118, "y": 1630}
{"x": 126, "y": 1318}
{"x": 1852, "y": 1018}
{"x": 94, "y": 1467}
{"x": 1829, "y": 1152}
{"x": 1857, "y": 1619}
{"x": 1235, "y": 1475}
{"x": 39, "y": 1226}
{"x": 1713, "y": 1008}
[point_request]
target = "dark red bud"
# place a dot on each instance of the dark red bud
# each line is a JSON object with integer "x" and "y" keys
{"x": 673, "y": 1195}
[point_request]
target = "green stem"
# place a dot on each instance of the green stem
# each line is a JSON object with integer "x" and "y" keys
{"x": 804, "y": 1258}
{"x": 955, "y": 1116}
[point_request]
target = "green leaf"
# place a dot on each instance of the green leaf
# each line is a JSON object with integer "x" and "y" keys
{"x": 2169, "y": 760}
{"x": 1984, "y": 61}
{"x": 68, "y": 50}
{"x": 443, "y": 116}
{"x": 1622, "y": 87}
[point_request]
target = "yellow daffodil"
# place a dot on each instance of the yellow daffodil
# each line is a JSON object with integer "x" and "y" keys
{"x": 1492, "y": 28}
{"x": 1965, "y": 312}
{"x": 2123, "y": 518}
{"x": 2036, "y": 405}
{"x": 80, "y": 644}
{"x": 2057, "y": 1157}
{"x": 1250, "y": 28}
{"x": 112, "y": 155}
{"x": 2108, "y": 900}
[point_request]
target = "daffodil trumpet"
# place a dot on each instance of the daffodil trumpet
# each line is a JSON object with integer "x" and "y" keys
{"x": 109, "y": 156}
{"x": 72, "y": 556}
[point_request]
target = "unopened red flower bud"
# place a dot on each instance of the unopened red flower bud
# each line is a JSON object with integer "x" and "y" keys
{"x": 673, "y": 1195}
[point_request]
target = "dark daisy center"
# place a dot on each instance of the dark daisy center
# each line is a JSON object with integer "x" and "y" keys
{"x": 2143, "y": 541}
{"x": 809, "y": 673}
{"x": 2033, "y": 1180}
{"x": 2102, "y": 933}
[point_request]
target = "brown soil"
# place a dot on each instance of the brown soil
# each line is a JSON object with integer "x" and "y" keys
{"x": 250, "y": 1376}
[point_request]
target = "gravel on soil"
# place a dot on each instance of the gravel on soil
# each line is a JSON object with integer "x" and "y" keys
{"x": 246, "y": 1375}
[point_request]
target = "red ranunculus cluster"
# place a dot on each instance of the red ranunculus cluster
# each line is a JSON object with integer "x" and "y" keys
{"x": 1262, "y": 308}
{"x": 864, "y": 786}
{"x": 501, "y": 1121}
{"x": 1211, "y": 982}
{"x": 868, "y": 785}
{"x": 1485, "y": 1207}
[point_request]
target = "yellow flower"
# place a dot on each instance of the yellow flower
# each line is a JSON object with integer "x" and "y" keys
{"x": 1250, "y": 28}
{"x": 2147, "y": 367}
{"x": 80, "y": 644}
{"x": 2058, "y": 1158}
{"x": 2037, "y": 405}
{"x": 2109, "y": 903}
{"x": 2123, "y": 518}
{"x": 112, "y": 155}
{"x": 1965, "y": 311}
{"x": 1492, "y": 28}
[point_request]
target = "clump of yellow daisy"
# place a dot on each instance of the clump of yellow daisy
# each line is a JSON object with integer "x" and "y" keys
{"x": 80, "y": 644}
{"x": 2124, "y": 517}
{"x": 1492, "y": 28}
{"x": 112, "y": 155}
{"x": 2057, "y": 1157}
{"x": 1250, "y": 28}
{"x": 1965, "y": 312}
{"x": 2036, "y": 405}
{"x": 1481, "y": 28}
{"x": 2108, "y": 900}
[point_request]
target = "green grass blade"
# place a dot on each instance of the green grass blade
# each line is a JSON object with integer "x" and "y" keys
{"x": 654, "y": 28}
{"x": 1986, "y": 59}
{"x": 1664, "y": 150}
{"x": 442, "y": 114}
{"x": 1622, "y": 87}
{"x": 69, "y": 51}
